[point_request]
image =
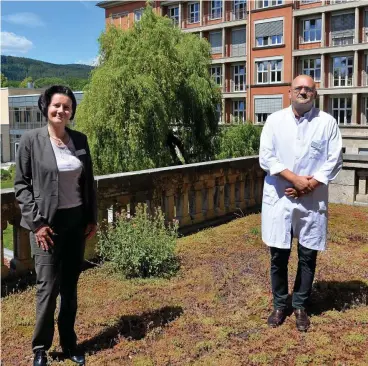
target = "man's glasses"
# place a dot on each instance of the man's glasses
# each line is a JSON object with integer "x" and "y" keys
{"x": 307, "y": 89}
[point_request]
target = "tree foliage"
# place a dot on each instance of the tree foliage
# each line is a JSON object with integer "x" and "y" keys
{"x": 46, "y": 82}
{"x": 151, "y": 95}
{"x": 239, "y": 140}
{"x": 4, "y": 81}
{"x": 18, "y": 68}
{"x": 24, "y": 82}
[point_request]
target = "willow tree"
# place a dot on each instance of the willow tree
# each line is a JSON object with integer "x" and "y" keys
{"x": 150, "y": 97}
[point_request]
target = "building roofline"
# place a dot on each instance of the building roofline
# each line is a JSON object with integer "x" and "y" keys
{"x": 110, "y": 4}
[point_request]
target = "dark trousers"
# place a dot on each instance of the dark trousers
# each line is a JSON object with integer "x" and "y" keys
{"x": 57, "y": 273}
{"x": 307, "y": 259}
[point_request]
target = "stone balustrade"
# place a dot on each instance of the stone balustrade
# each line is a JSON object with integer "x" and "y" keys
{"x": 193, "y": 194}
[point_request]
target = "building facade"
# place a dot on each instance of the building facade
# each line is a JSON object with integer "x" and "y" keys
{"x": 258, "y": 47}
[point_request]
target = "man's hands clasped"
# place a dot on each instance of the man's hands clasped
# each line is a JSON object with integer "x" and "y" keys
{"x": 302, "y": 186}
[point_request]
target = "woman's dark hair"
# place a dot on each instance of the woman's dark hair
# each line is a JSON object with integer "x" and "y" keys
{"x": 45, "y": 99}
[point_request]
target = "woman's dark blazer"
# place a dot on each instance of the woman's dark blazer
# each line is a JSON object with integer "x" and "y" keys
{"x": 36, "y": 181}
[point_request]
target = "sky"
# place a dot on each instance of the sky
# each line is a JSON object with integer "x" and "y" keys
{"x": 60, "y": 32}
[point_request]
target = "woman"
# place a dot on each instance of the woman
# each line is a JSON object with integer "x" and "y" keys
{"x": 54, "y": 186}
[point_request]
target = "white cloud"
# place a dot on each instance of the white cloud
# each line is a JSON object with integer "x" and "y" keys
{"x": 94, "y": 61}
{"x": 13, "y": 44}
{"x": 26, "y": 19}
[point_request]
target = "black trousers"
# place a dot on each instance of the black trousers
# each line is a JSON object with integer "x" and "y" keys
{"x": 57, "y": 272}
{"x": 307, "y": 259}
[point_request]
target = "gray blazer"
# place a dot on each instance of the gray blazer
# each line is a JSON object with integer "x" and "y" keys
{"x": 36, "y": 179}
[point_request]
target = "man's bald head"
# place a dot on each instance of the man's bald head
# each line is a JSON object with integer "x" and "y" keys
{"x": 302, "y": 94}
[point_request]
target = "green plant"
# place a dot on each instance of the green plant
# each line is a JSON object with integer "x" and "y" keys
{"x": 238, "y": 140}
{"x": 140, "y": 246}
{"x": 4, "y": 174}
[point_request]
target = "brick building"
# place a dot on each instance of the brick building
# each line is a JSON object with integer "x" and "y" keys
{"x": 258, "y": 47}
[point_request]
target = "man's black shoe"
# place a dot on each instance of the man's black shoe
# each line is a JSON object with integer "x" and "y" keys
{"x": 76, "y": 356}
{"x": 276, "y": 318}
{"x": 302, "y": 320}
{"x": 40, "y": 358}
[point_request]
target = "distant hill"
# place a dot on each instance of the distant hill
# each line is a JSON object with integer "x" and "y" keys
{"x": 18, "y": 68}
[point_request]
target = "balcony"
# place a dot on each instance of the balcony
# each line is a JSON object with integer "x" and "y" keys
{"x": 235, "y": 14}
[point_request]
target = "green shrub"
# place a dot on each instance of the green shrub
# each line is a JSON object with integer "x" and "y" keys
{"x": 238, "y": 140}
{"x": 5, "y": 175}
{"x": 140, "y": 246}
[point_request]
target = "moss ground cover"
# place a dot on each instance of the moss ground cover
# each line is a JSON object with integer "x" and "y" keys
{"x": 214, "y": 311}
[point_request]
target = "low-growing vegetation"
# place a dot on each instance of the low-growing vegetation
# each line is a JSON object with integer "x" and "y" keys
{"x": 141, "y": 245}
{"x": 214, "y": 310}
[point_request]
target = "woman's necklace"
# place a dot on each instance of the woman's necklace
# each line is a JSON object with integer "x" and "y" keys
{"x": 60, "y": 142}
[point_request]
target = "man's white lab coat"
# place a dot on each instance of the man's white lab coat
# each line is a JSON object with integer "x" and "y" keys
{"x": 310, "y": 146}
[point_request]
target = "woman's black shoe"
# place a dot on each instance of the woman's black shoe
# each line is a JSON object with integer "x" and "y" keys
{"x": 40, "y": 358}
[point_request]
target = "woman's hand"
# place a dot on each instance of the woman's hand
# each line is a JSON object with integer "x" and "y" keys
{"x": 90, "y": 231}
{"x": 43, "y": 237}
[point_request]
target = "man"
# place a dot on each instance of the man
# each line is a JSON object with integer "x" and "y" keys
{"x": 301, "y": 153}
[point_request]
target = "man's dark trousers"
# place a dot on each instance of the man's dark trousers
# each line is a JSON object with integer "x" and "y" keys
{"x": 57, "y": 272}
{"x": 303, "y": 281}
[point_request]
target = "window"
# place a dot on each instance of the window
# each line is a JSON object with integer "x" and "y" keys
{"x": 219, "y": 112}
{"x": 117, "y": 18}
{"x": 309, "y": 1}
{"x": 341, "y": 110}
{"x": 365, "y": 81}
{"x": 27, "y": 115}
{"x": 264, "y": 106}
{"x": 216, "y": 73}
{"x": 137, "y": 15}
{"x": 365, "y": 37}
{"x": 342, "y": 29}
{"x": 174, "y": 14}
{"x": 260, "y": 4}
{"x": 215, "y": 9}
{"x": 269, "y": 72}
{"x": 312, "y": 67}
{"x": 342, "y": 71}
{"x": 366, "y": 110}
{"x": 239, "y": 10}
{"x": 194, "y": 13}
{"x": 216, "y": 42}
{"x": 238, "y": 42}
{"x": 269, "y": 33}
{"x": 238, "y": 110}
{"x": 312, "y": 30}
{"x": 239, "y": 77}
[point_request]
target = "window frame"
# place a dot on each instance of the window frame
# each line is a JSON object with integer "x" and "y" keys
{"x": 266, "y": 63}
{"x": 238, "y": 110}
{"x": 209, "y": 36}
{"x": 242, "y": 9}
{"x": 173, "y": 18}
{"x": 213, "y": 9}
{"x": 339, "y": 79}
{"x": 310, "y": 31}
{"x": 339, "y": 109}
{"x": 136, "y": 12}
{"x": 215, "y": 75}
{"x": 240, "y": 86}
{"x": 345, "y": 40}
{"x": 308, "y": 68}
{"x": 191, "y": 18}
{"x": 270, "y": 3}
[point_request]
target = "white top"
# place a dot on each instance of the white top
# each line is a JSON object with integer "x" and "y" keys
{"x": 70, "y": 169}
{"x": 308, "y": 146}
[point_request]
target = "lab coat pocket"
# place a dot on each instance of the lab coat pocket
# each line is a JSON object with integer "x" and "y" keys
{"x": 317, "y": 149}
{"x": 270, "y": 199}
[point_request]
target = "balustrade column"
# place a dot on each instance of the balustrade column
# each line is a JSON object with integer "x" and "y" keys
{"x": 231, "y": 180}
{"x": 4, "y": 268}
{"x": 169, "y": 204}
{"x": 220, "y": 210}
{"x": 184, "y": 218}
{"x": 198, "y": 212}
{"x": 22, "y": 260}
{"x": 210, "y": 187}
